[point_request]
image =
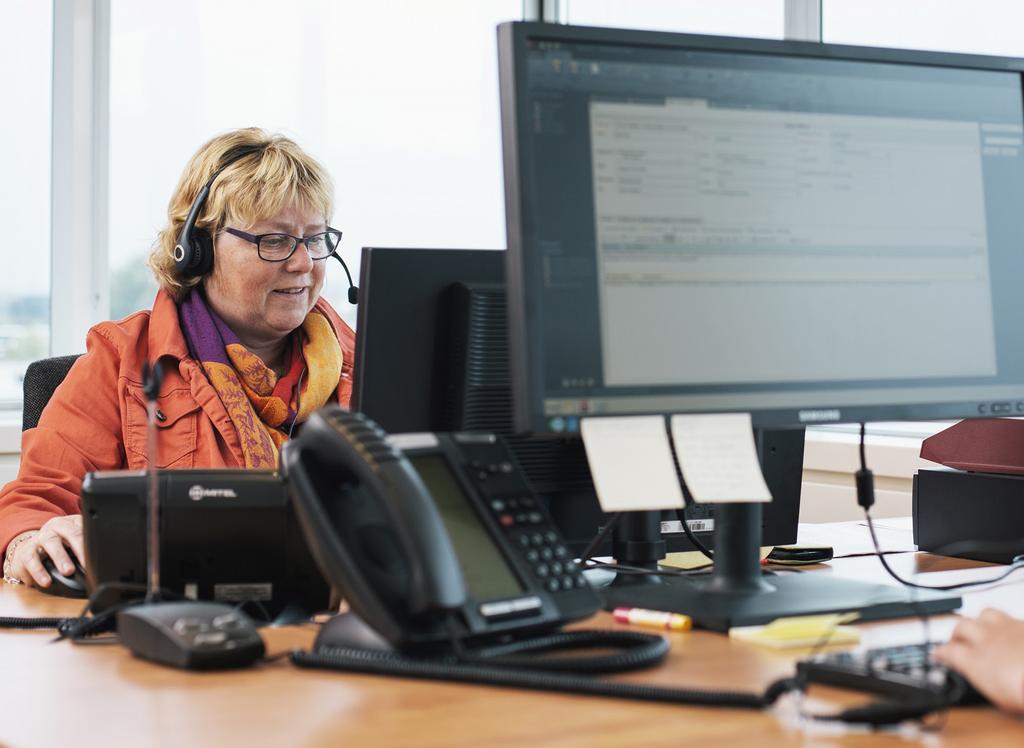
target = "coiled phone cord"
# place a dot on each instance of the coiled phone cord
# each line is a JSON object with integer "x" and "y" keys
{"x": 512, "y": 665}
{"x": 377, "y": 662}
{"x": 84, "y": 626}
{"x": 34, "y": 623}
{"x": 638, "y": 651}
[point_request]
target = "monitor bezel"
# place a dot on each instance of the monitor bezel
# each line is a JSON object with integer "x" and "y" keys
{"x": 527, "y": 391}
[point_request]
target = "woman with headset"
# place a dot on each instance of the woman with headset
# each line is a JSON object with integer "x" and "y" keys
{"x": 246, "y": 346}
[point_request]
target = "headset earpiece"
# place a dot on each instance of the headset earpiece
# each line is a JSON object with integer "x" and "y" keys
{"x": 193, "y": 252}
{"x": 202, "y": 249}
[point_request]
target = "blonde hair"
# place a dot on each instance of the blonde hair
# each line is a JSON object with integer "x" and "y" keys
{"x": 251, "y": 189}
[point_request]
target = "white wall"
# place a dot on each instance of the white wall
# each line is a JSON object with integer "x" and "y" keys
{"x": 830, "y": 461}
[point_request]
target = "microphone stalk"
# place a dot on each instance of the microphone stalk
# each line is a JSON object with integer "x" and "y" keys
{"x": 152, "y": 378}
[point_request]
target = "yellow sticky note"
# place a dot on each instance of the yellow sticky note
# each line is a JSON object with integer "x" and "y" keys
{"x": 695, "y": 559}
{"x": 801, "y": 631}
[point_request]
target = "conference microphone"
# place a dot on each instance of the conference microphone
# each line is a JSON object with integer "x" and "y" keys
{"x": 353, "y": 292}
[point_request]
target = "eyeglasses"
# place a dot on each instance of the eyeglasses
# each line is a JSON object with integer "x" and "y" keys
{"x": 279, "y": 247}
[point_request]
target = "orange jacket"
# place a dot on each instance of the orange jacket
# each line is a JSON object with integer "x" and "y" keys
{"x": 96, "y": 419}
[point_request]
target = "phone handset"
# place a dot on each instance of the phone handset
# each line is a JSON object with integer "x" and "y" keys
{"x": 356, "y": 496}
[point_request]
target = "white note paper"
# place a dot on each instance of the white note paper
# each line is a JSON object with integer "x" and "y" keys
{"x": 631, "y": 463}
{"x": 718, "y": 458}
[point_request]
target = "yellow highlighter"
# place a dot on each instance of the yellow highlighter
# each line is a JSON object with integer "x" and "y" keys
{"x": 801, "y": 631}
{"x": 657, "y": 619}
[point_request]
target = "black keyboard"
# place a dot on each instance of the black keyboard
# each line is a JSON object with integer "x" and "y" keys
{"x": 905, "y": 673}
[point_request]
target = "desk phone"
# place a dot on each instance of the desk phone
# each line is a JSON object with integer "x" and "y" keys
{"x": 430, "y": 536}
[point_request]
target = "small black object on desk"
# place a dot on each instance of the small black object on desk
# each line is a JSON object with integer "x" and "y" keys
{"x": 972, "y": 509}
{"x": 191, "y": 635}
{"x": 65, "y": 585}
{"x": 905, "y": 673}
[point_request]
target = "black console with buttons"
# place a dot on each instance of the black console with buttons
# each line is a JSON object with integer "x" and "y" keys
{"x": 905, "y": 672}
{"x": 518, "y": 569}
{"x": 190, "y": 635}
{"x": 523, "y": 519}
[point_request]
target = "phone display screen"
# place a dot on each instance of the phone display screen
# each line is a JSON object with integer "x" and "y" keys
{"x": 486, "y": 572}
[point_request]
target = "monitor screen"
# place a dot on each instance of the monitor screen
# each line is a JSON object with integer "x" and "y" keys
{"x": 808, "y": 232}
{"x": 487, "y": 573}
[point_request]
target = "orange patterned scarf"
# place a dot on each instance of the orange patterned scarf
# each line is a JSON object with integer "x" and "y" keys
{"x": 261, "y": 405}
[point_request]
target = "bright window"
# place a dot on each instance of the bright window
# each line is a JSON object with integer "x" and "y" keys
{"x": 25, "y": 87}
{"x": 398, "y": 99}
{"x": 991, "y": 27}
{"x": 760, "y": 18}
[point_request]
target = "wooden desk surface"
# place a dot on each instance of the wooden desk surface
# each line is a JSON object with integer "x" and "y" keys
{"x": 60, "y": 694}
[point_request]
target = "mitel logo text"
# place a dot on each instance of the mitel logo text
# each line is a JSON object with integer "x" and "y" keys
{"x": 198, "y": 492}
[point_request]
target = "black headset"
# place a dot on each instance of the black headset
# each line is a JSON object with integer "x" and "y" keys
{"x": 193, "y": 253}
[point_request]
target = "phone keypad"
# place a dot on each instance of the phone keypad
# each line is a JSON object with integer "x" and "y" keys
{"x": 549, "y": 559}
{"x": 523, "y": 518}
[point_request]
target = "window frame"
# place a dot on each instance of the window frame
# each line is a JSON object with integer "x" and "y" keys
{"x": 79, "y": 286}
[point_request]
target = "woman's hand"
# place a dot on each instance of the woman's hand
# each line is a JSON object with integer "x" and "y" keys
{"x": 27, "y": 564}
{"x": 989, "y": 652}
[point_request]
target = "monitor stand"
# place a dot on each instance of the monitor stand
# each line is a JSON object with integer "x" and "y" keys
{"x": 738, "y": 593}
{"x": 637, "y": 543}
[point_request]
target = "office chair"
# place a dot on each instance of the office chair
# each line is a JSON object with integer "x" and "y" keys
{"x": 41, "y": 379}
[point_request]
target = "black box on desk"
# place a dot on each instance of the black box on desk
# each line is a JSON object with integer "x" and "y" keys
{"x": 969, "y": 515}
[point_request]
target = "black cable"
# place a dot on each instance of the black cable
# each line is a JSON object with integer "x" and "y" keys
{"x": 1017, "y": 565}
{"x": 687, "y": 501}
{"x": 33, "y": 623}
{"x": 451, "y": 621}
{"x": 636, "y": 650}
{"x": 863, "y": 458}
{"x": 82, "y": 627}
{"x": 376, "y": 662}
{"x": 519, "y": 662}
{"x": 866, "y": 498}
{"x": 594, "y": 544}
{"x": 886, "y": 711}
{"x": 264, "y": 613}
{"x": 641, "y": 571}
{"x": 867, "y": 502}
{"x": 691, "y": 536}
{"x": 80, "y": 630}
{"x": 639, "y": 651}
{"x": 68, "y": 624}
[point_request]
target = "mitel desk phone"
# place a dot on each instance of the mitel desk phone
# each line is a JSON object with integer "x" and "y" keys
{"x": 430, "y": 536}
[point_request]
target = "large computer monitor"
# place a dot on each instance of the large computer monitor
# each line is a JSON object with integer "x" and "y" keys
{"x": 806, "y": 232}
{"x": 432, "y": 355}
